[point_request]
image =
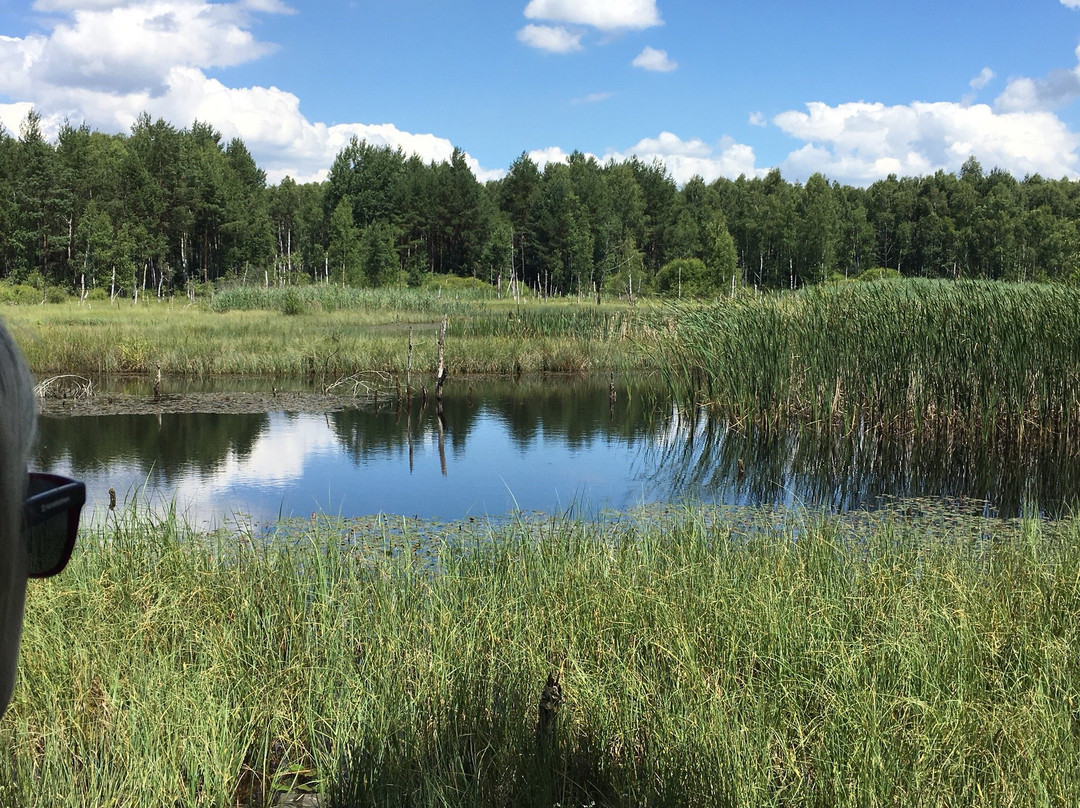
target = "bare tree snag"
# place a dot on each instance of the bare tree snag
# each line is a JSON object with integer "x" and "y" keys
{"x": 548, "y": 709}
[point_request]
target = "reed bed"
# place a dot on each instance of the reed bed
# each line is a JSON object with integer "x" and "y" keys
{"x": 982, "y": 357}
{"x": 328, "y": 341}
{"x": 705, "y": 658}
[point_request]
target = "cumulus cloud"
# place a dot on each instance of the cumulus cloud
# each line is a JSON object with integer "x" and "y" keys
{"x": 107, "y": 61}
{"x": 1071, "y": 3}
{"x": 653, "y": 59}
{"x": 683, "y": 159}
{"x": 861, "y": 142}
{"x": 552, "y": 154}
{"x": 128, "y": 48}
{"x": 606, "y": 15}
{"x": 1055, "y": 90}
{"x": 554, "y": 39}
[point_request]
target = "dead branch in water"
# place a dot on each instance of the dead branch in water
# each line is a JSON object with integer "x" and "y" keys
{"x": 67, "y": 386}
{"x": 371, "y": 384}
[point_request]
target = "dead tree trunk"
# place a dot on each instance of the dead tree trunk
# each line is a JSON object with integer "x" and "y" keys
{"x": 408, "y": 376}
{"x": 440, "y": 375}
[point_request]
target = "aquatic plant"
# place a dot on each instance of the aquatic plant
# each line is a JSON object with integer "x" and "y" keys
{"x": 972, "y": 356}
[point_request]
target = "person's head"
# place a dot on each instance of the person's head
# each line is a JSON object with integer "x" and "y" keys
{"x": 17, "y": 417}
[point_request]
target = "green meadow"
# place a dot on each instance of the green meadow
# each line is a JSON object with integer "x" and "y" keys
{"x": 328, "y": 332}
{"x": 705, "y": 657}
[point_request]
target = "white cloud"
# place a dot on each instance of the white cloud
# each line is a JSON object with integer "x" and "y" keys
{"x": 986, "y": 75}
{"x": 106, "y": 62}
{"x": 268, "y": 6}
{"x": 71, "y": 5}
{"x": 607, "y": 15}
{"x": 682, "y": 158}
{"x": 552, "y": 154}
{"x": 129, "y": 48}
{"x": 758, "y": 119}
{"x": 550, "y": 38}
{"x": 1071, "y": 3}
{"x": 686, "y": 158}
{"x": 12, "y": 116}
{"x": 1057, "y": 89}
{"x": 653, "y": 59}
{"x": 592, "y": 98}
{"x": 861, "y": 142}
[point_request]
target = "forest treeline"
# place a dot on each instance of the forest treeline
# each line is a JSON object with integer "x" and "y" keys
{"x": 163, "y": 209}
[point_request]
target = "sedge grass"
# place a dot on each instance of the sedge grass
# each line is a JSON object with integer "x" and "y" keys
{"x": 485, "y": 336}
{"x": 706, "y": 658}
{"x": 982, "y": 357}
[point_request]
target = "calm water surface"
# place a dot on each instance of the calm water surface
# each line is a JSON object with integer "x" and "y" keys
{"x": 538, "y": 445}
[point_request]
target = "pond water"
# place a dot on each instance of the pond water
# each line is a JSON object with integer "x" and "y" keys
{"x": 549, "y": 444}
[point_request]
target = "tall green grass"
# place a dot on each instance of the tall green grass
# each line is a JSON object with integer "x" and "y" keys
{"x": 425, "y": 300}
{"x": 978, "y": 356}
{"x": 705, "y": 658}
{"x": 368, "y": 331}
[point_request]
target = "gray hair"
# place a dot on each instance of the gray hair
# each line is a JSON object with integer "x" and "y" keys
{"x": 17, "y": 422}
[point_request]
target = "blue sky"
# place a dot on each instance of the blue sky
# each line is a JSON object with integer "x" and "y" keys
{"x": 855, "y": 90}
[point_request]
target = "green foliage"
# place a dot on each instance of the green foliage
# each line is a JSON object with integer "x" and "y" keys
{"x": 979, "y": 357}
{"x": 291, "y": 302}
{"x": 344, "y": 253}
{"x": 379, "y": 261}
{"x": 180, "y": 205}
{"x": 705, "y": 658}
{"x": 879, "y": 274}
{"x": 455, "y": 283}
{"x": 20, "y": 294}
{"x": 687, "y": 277}
{"x": 57, "y": 294}
{"x": 354, "y": 330}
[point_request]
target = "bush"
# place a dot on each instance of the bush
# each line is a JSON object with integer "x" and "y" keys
{"x": 23, "y": 294}
{"x": 98, "y": 293}
{"x": 879, "y": 274}
{"x": 456, "y": 283}
{"x": 19, "y": 294}
{"x": 289, "y": 302}
{"x": 57, "y": 294}
{"x": 686, "y": 277}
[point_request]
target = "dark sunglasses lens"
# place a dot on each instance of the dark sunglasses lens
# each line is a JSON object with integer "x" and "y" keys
{"x": 47, "y": 546}
{"x": 52, "y": 522}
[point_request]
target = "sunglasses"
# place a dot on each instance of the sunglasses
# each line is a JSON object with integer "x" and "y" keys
{"x": 51, "y": 521}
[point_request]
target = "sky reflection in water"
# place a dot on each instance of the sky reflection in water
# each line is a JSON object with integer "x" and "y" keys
{"x": 502, "y": 448}
{"x": 546, "y": 445}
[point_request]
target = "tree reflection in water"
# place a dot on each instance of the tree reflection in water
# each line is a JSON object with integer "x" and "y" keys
{"x": 542, "y": 444}
{"x": 713, "y": 460}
